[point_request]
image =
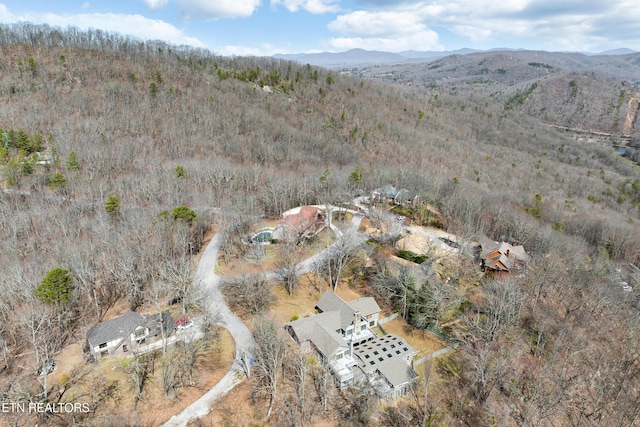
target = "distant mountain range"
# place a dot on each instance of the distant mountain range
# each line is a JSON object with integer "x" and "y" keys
{"x": 361, "y": 57}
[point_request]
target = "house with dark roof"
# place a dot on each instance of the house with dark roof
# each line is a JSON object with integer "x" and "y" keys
{"x": 501, "y": 258}
{"x": 127, "y": 332}
{"x": 406, "y": 197}
{"x": 341, "y": 334}
{"x": 386, "y": 363}
{"x": 383, "y": 194}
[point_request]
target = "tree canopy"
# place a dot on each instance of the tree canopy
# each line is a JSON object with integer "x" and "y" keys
{"x": 56, "y": 287}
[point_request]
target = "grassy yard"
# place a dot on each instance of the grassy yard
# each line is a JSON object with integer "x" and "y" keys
{"x": 303, "y": 301}
{"x": 84, "y": 382}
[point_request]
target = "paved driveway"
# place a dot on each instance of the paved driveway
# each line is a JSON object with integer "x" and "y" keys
{"x": 209, "y": 281}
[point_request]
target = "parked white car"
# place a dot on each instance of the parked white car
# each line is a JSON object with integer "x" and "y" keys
{"x": 185, "y": 325}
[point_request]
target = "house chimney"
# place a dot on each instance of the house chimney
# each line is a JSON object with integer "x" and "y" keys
{"x": 356, "y": 321}
{"x": 356, "y": 328}
{"x": 507, "y": 253}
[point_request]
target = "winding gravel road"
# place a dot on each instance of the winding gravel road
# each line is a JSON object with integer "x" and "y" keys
{"x": 209, "y": 281}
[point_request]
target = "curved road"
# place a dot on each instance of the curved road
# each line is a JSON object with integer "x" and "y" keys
{"x": 209, "y": 281}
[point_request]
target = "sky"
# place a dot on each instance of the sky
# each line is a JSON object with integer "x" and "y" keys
{"x": 268, "y": 27}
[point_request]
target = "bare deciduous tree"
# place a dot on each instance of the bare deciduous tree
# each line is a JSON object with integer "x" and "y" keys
{"x": 249, "y": 294}
{"x": 270, "y": 353}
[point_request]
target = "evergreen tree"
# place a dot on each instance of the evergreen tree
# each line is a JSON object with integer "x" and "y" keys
{"x": 183, "y": 213}
{"x": 72, "y": 161}
{"x": 56, "y": 287}
{"x": 57, "y": 181}
{"x": 423, "y": 307}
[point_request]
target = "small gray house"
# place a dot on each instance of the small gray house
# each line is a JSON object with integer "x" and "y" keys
{"x": 127, "y": 332}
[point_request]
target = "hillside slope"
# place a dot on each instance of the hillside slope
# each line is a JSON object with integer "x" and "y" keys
{"x": 564, "y": 89}
{"x": 108, "y": 143}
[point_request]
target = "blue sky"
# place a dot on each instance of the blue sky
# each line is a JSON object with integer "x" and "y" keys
{"x": 267, "y": 27}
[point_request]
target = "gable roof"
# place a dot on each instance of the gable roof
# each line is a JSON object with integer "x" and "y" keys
{"x": 345, "y": 311}
{"x": 388, "y": 191}
{"x": 502, "y": 255}
{"x": 305, "y": 218}
{"x": 320, "y": 330}
{"x": 114, "y": 329}
{"x": 365, "y": 305}
{"x": 158, "y": 321}
{"x": 327, "y": 342}
{"x": 330, "y": 302}
{"x": 397, "y": 371}
{"x": 403, "y": 195}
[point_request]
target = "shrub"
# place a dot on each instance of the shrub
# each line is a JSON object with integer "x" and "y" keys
{"x": 112, "y": 205}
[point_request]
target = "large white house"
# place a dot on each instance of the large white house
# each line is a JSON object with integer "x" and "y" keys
{"x": 343, "y": 337}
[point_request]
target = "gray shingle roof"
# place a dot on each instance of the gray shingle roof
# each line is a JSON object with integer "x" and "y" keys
{"x": 403, "y": 195}
{"x": 330, "y": 302}
{"x": 321, "y": 331}
{"x": 345, "y": 311}
{"x": 114, "y": 329}
{"x": 397, "y": 371}
{"x": 365, "y": 305}
{"x": 388, "y": 191}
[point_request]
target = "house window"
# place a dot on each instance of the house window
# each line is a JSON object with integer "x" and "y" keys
{"x": 104, "y": 353}
{"x": 103, "y": 345}
{"x": 372, "y": 323}
{"x": 363, "y": 327}
{"x": 124, "y": 349}
{"x": 380, "y": 359}
{"x": 375, "y": 352}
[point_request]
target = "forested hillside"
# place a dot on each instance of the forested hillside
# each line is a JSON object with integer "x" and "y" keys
{"x": 108, "y": 145}
{"x": 564, "y": 89}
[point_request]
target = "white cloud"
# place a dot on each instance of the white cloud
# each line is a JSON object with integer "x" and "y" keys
{"x": 156, "y": 4}
{"x": 389, "y": 31}
{"x": 5, "y": 15}
{"x": 426, "y": 40}
{"x": 313, "y": 6}
{"x": 548, "y": 24}
{"x": 86, "y": 5}
{"x": 371, "y": 24}
{"x": 209, "y": 10}
{"x": 475, "y": 34}
{"x": 265, "y": 49}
